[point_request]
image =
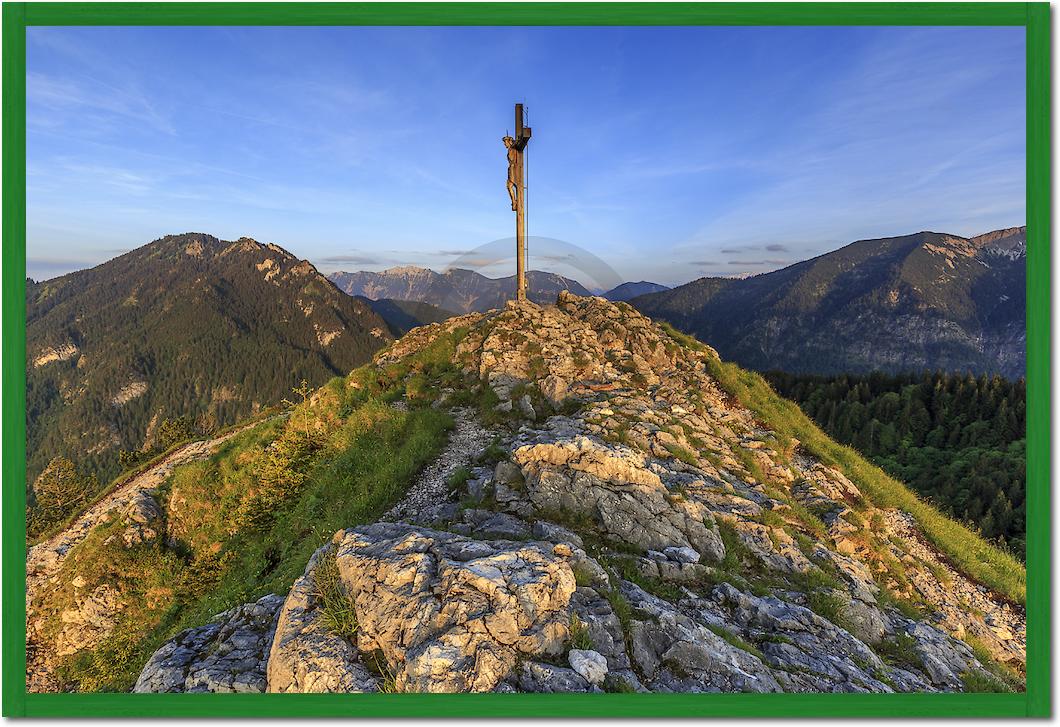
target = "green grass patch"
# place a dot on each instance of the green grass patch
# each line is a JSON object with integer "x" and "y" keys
{"x": 682, "y": 454}
{"x": 736, "y": 553}
{"x": 493, "y": 453}
{"x": 458, "y": 479}
{"x": 977, "y": 681}
{"x": 899, "y": 651}
{"x": 580, "y": 638}
{"x": 626, "y": 568}
{"x": 829, "y": 605}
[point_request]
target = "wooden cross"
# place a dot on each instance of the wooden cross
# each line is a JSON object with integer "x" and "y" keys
{"x": 517, "y": 178}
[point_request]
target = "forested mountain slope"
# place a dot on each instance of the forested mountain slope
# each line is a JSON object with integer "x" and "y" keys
{"x": 402, "y": 316}
{"x": 928, "y": 301}
{"x": 188, "y": 327}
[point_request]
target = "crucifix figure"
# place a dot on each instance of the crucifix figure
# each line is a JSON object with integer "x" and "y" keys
{"x": 513, "y": 169}
{"x": 516, "y": 148}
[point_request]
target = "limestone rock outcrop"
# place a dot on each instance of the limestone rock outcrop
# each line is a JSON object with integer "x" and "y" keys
{"x": 451, "y": 613}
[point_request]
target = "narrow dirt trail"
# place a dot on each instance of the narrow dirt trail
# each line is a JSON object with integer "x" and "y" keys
{"x": 44, "y": 560}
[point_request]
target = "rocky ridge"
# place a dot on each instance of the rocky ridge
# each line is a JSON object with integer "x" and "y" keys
{"x": 641, "y": 530}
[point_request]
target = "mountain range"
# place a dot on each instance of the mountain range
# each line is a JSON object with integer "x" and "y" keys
{"x": 924, "y": 301}
{"x": 465, "y": 291}
{"x": 187, "y": 325}
{"x": 191, "y": 325}
{"x": 625, "y": 291}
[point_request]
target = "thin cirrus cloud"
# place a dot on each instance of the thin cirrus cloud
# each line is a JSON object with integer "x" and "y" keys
{"x": 798, "y": 140}
{"x": 355, "y": 259}
{"x": 775, "y": 247}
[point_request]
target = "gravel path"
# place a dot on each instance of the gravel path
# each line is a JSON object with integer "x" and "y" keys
{"x": 467, "y": 440}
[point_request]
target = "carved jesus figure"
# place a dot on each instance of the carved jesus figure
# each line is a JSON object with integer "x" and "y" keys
{"x": 513, "y": 169}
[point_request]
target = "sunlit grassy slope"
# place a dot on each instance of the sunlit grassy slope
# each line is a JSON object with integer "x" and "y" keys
{"x": 966, "y": 549}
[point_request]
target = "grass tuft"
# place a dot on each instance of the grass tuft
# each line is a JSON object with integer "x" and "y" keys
{"x": 580, "y": 638}
{"x": 337, "y": 609}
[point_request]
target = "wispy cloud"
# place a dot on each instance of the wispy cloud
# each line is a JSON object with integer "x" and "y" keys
{"x": 766, "y": 261}
{"x": 355, "y": 259}
{"x": 82, "y": 93}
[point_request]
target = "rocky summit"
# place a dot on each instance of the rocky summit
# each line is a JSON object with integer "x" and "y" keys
{"x": 616, "y": 510}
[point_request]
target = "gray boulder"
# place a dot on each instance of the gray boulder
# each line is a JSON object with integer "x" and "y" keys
{"x": 228, "y": 654}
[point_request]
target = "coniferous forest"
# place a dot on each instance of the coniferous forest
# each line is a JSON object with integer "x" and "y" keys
{"x": 957, "y": 440}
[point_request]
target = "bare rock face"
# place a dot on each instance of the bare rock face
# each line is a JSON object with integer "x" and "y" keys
{"x": 613, "y": 486}
{"x": 450, "y": 613}
{"x": 536, "y": 676}
{"x": 589, "y": 664}
{"x": 89, "y": 621}
{"x": 676, "y": 652}
{"x": 227, "y": 655}
{"x": 306, "y": 656}
{"x": 142, "y": 517}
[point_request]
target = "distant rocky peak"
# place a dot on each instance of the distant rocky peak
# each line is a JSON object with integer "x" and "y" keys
{"x": 243, "y": 244}
{"x": 407, "y": 270}
{"x": 1006, "y": 237}
{"x": 1009, "y": 243}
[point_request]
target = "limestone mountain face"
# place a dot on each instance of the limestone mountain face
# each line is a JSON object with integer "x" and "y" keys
{"x": 927, "y": 301}
{"x": 630, "y": 523}
{"x": 458, "y": 290}
{"x": 184, "y": 326}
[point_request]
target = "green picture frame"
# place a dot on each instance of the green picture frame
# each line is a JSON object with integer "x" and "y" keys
{"x": 1035, "y": 702}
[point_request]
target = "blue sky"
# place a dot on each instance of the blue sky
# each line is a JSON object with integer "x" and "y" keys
{"x": 670, "y": 153}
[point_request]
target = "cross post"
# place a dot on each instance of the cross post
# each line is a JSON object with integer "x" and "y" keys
{"x": 517, "y": 179}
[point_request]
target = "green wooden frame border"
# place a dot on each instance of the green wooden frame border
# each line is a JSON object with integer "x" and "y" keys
{"x": 1036, "y": 702}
